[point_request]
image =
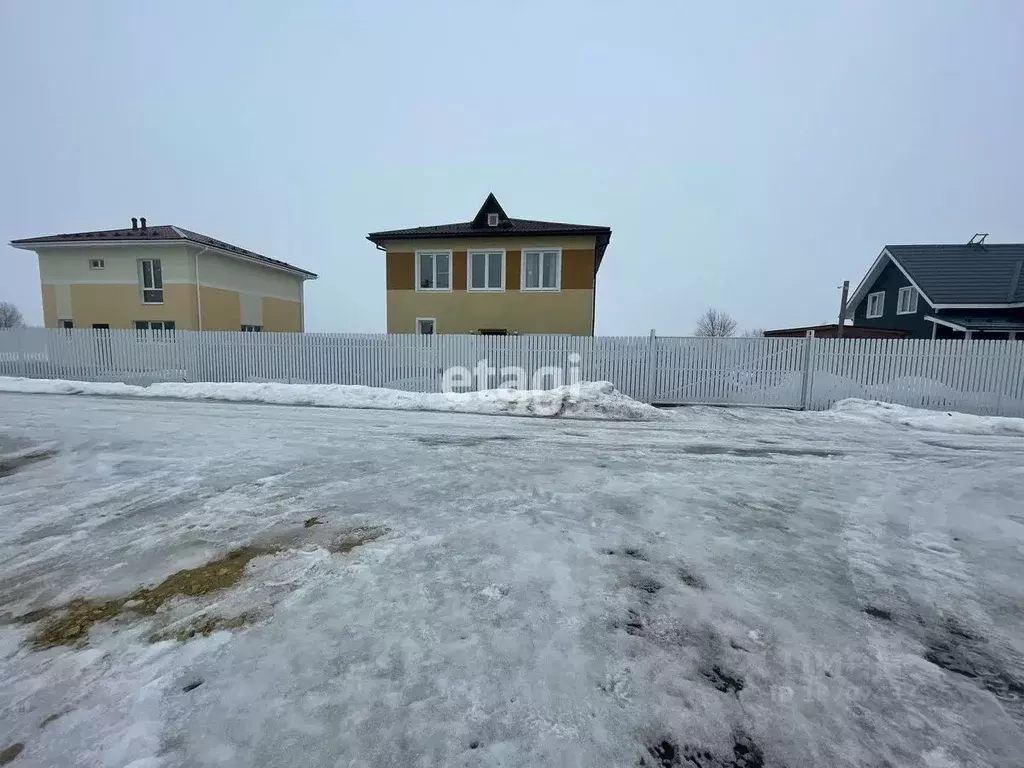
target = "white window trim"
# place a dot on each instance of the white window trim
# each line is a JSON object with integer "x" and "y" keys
{"x": 911, "y": 302}
{"x": 431, "y": 319}
{"x": 493, "y": 219}
{"x": 451, "y": 266}
{"x": 522, "y": 270}
{"x": 881, "y": 305}
{"x": 469, "y": 271}
{"x": 97, "y": 264}
{"x": 142, "y": 283}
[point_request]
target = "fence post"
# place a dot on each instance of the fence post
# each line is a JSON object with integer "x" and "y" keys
{"x": 650, "y": 374}
{"x": 22, "y": 366}
{"x": 1004, "y": 386}
{"x": 808, "y": 382}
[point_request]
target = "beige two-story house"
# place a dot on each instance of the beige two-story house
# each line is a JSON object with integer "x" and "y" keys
{"x": 164, "y": 278}
{"x": 492, "y": 275}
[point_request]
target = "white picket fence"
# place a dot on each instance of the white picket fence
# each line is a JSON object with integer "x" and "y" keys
{"x": 985, "y": 377}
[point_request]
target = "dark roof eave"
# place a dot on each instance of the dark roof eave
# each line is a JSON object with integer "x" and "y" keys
{"x": 377, "y": 237}
{"x": 255, "y": 258}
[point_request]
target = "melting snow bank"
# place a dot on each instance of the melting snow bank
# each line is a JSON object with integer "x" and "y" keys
{"x": 587, "y": 400}
{"x": 930, "y": 421}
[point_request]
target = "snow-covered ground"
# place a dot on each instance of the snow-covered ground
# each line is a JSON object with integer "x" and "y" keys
{"x": 715, "y": 588}
{"x": 926, "y": 420}
{"x": 586, "y": 400}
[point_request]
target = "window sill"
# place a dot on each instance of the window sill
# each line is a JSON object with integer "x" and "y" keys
{"x": 912, "y": 312}
{"x": 874, "y": 317}
{"x": 541, "y": 290}
{"x": 434, "y": 290}
{"x": 485, "y": 290}
{"x": 152, "y": 303}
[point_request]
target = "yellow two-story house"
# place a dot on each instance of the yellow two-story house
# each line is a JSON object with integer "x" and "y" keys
{"x": 164, "y": 278}
{"x": 492, "y": 275}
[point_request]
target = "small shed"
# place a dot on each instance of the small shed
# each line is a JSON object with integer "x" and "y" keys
{"x": 831, "y": 331}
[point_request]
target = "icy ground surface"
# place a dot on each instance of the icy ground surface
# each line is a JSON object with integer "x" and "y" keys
{"x": 718, "y": 588}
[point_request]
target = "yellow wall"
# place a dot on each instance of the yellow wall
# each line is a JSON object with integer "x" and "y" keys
{"x": 240, "y": 291}
{"x": 569, "y": 310}
{"x": 222, "y": 310}
{"x": 281, "y": 315}
{"x": 49, "y": 306}
{"x": 119, "y": 306}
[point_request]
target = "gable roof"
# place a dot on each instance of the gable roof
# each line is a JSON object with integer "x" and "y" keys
{"x": 951, "y": 275}
{"x": 507, "y": 227}
{"x": 159, "y": 234}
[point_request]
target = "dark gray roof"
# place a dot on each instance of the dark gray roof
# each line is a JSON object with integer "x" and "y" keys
{"x": 981, "y": 323}
{"x": 507, "y": 227}
{"x": 160, "y": 233}
{"x": 964, "y": 274}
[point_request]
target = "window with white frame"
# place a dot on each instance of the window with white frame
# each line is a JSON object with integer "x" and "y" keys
{"x": 486, "y": 270}
{"x": 906, "y": 304}
{"x": 876, "y": 304}
{"x": 152, "y": 278}
{"x": 252, "y": 328}
{"x": 97, "y": 264}
{"x": 542, "y": 270}
{"x": 433, "y": 271}
{"x": 492, "y": 219}
{"x": 154, "y": 325}
{"x": 426, "y": 326}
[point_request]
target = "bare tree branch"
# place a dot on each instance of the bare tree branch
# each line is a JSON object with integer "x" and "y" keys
{"x": 753, "y": 333}
{"x": 715, "y": 323}
{"x": 10, "y": 316}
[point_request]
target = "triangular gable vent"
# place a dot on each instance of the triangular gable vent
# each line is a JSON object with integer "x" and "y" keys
{"x": 491, "y": 214}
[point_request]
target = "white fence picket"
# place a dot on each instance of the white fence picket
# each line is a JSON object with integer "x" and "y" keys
{"x": 976, "y": 376}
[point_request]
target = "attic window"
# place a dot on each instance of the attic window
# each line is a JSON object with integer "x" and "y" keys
{"x": 492, "y": 219}
{"x": 96, "y": 264}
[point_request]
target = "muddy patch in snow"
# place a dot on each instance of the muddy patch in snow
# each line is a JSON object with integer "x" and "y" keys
{"x": 466, "y": 441}
{"x": 10, "y": 754}
{"x": 691, "y": 579}
{"x": 16, "y": 461}
{"x": 70, "y": 624}
{"x": 667, "y": 754}
{"x": 958, "y": 649}
{"x": 645, "y": 584}
{"x": 356, "y": 537}
{"x": 877, "y": 613}
{"x": 723, "y": 681}
{"x": 713, "y": 449}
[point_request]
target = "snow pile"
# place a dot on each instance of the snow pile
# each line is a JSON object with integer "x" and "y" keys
{"x": 586, "y": 400}
{"x": 929, "y": 421}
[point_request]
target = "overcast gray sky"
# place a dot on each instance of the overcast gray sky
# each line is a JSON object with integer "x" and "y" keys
{"x": 748, "y": 156}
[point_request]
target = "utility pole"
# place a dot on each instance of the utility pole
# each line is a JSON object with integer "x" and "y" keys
{"x": 842, "y": 309}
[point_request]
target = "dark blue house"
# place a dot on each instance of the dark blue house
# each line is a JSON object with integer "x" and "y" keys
{"x": 944, "y": 291}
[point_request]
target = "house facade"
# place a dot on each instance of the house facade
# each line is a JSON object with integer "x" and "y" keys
{"x": 944, "y": 291}
{"x": 492, "y": 275}
{"x": 164, "y": 278}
